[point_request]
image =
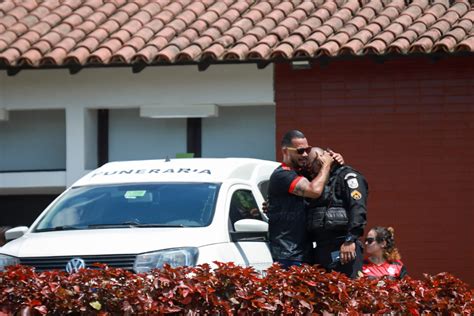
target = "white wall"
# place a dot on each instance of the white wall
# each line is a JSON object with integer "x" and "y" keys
{"x": 123, "y": 92}
{"x": 119, "y": 87}
{"x": 33, "y": 140}
{"x": 240, "y": 131}
{"x": 132, "y": 137}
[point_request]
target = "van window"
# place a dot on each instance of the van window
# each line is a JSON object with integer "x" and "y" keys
{"x": 263, "y": 187}
{"x": 243, "y": 206}
{"x": 138, "y": 205}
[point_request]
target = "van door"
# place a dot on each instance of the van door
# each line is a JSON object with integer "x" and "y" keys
{"x": 243, "y": 205}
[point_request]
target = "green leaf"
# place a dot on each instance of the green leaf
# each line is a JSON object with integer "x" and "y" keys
{"x": 96, "y": 305}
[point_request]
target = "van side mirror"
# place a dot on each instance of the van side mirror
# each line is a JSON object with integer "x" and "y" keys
{"x": 250, "y": 225}
{"x": 250, "y": 230}
{"x": 15, "y": 232}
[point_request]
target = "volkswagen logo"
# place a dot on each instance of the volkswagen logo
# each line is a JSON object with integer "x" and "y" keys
{"x": 75, "y": 264}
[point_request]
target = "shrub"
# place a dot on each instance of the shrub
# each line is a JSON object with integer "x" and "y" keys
{"x": 226, "y": 289}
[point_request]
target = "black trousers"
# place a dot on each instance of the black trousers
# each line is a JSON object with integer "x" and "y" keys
{"x": 323, "y": 257}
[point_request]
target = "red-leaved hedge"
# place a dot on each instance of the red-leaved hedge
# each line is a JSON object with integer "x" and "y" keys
{"x": 227, "y": 290}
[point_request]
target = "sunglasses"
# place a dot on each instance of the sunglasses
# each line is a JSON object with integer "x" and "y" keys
{"x": 369, "y": 240}
{"x": 301, "y": 150}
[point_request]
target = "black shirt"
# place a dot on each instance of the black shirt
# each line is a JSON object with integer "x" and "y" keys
{"x": 287, "y": 216}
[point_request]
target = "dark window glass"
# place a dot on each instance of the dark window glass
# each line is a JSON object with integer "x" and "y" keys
{"x": 243, "y": 206}
{"x": 263, "y": 187}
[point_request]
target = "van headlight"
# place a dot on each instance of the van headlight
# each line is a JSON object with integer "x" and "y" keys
{"x": 6, "y": 261}
{"x": 175, "y": 257}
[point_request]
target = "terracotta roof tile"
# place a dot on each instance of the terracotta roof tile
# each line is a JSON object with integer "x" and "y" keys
{"x": 136, "y": 43}
{"x": 53, "y": 32}
{"x": 75, "y": 19}
{"x": 10, "y": 57}
{"x": 419, "y": 28}
{"x": 55, "y": 57}
{"x": 466, "y": 45}
{"x": 261, "y": 51}
{"x": 276, "y": 15}
{"x": 213, "y": 52}
{"x": 358, "y": 22}
{"x": 18, "y": 12}
{"x": 8, "y": 20}
{"x": 284, "y": 50}
{"x": 42, "y": 46}
{"x": 120, "y": 17}
{"x": 78, "y": 56}
{"x": 335, "y": 23}
{"x": 39, "y": 13}
{"x": 100, "y": 56}
{"x": 132, "y": 26}
{"x": 146, "y": 54}
{"x": 257, "y": 31}
{"x": 307, "y": 7}
{"x": 112, "y": 45}
{"x": 90, "y": 43}
{"x": 270, "y": 40}
{"x": 212, "y": 32}
{"x": 307, "y": 49}
{"x": 303, "y": 30}
{"x": 168, "y": 55}
{"x": 84, "y": 11}
{"x": 204, "y": 41}
{"x": 67, "y": 44}
{"x": 77, "y": 35}
{"x": 52, "y": 38}
{"x": 235, "y": 33}
{"x": 6, "y": 6}
{"x": 319, "y": 37}
{"x": 154, "y": 25}
{"x": 18, "y": 28}
{"x": 340, "y": 38}
{"x": 124, "y": 55}
{"x": 189, "y": 53}
{"x": 30, "y": 58}
{"x": 424, "y": 44}
{"x": 21, "y": 45}
{"x": 329, "y": 48}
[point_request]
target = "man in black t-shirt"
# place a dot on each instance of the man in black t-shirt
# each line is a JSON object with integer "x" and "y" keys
{"x": 289, "y": 242}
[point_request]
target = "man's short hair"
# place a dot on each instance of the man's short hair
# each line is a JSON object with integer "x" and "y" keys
{"x": 289, "y": 136}
{"x": 317, "y": 150}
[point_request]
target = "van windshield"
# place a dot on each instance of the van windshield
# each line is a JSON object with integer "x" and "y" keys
{"x": 133, "y": 205}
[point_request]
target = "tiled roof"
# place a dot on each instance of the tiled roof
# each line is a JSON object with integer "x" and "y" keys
{"x": 97, "y": 32}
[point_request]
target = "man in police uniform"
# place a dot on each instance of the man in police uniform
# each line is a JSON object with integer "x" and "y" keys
{"x": 338, "y": 247}
{"x": 289, "y": 242}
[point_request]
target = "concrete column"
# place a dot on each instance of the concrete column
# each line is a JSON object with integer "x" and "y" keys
{"x": 75, "y": 143}
{"x": 2, "y": 87}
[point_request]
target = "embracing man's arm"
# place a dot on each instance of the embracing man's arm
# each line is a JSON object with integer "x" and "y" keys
{"x": 315, "y": 188}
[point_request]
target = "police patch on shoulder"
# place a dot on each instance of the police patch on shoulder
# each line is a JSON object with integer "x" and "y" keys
{"x": 352, "y": 183}
{"x": 350, "y": 174}
{"x": 356, "y": 195}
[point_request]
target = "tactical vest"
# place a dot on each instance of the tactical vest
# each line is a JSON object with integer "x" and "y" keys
{"x": 327, "y": 212}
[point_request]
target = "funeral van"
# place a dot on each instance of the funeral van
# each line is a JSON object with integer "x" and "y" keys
{"x": 140, "y": 215}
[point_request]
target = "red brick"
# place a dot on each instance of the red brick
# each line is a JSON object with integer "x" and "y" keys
{"x": 410, "y": 131}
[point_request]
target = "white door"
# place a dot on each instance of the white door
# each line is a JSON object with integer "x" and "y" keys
{"x": 252, "y": 248}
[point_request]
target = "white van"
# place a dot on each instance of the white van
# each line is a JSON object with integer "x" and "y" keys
{"x": 139, "y": 215}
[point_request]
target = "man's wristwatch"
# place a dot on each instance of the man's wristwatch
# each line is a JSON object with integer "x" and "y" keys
{"x": 350, "y": 239}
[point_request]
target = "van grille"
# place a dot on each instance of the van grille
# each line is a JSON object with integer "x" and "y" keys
{"x": 59, "y": 263}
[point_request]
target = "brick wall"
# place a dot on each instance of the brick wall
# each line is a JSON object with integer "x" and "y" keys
{"x": 408, "y": 125}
